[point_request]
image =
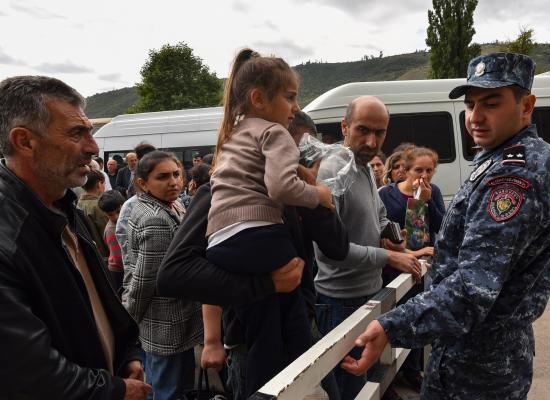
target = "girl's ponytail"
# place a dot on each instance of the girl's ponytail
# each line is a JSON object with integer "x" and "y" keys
{"x": 249, "y": 70}
{"x": 231, "y": 109}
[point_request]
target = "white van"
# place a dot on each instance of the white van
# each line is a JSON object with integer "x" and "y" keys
{"x": 183, "y": 132}
{"x": 421, "y": 113}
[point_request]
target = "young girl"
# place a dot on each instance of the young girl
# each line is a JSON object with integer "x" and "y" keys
{"x": 254, "y": 177}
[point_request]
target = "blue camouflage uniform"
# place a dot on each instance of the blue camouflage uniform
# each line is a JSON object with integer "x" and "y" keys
{"x": 490, "y": 278}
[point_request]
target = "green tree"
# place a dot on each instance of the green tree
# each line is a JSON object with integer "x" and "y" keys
{"x": 173, "y": 78}
{"x": 523, "y": 44}
{"x": 450, "y": 31}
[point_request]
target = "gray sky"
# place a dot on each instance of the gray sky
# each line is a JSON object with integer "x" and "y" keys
{"x": 101, "y": 45}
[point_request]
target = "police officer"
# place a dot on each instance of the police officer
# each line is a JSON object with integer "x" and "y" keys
{"x": 491, "y": 276}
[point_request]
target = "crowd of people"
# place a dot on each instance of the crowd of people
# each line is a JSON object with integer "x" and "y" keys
{"x": 111, "y": 277}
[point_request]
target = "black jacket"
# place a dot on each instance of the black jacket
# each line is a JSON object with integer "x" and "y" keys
{"x": 185, "y": 271}
{"x": 122, "y": 183}
{"x": 48, "y": 337}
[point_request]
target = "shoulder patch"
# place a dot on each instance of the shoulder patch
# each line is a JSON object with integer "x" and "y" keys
{"x": 509, "y": 180}
{"x": 480, "y": 170}
{"x": 514, "y": 155}
{"x": 504, "y": 203}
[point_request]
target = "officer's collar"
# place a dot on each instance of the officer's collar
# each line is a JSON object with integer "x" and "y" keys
{"x": 483, "y": 155}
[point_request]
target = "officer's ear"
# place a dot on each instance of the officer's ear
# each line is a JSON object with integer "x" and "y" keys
{"x": 527, "y": 106}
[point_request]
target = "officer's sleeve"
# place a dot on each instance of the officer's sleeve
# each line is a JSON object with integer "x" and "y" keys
{"x": 500, "y": 223}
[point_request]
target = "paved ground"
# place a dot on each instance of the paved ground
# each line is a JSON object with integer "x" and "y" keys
{"x": 541, "y": 380}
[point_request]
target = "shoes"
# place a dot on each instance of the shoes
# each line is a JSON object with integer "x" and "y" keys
{"x": 414, "y": 379}
{"x": 391, "y": 394}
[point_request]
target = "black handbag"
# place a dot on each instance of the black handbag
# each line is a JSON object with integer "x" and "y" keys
{"x": 205, "y": 392}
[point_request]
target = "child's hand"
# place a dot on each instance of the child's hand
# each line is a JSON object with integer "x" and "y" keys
{"x": 325, "y": 196}
{"x": 213, "y": 356}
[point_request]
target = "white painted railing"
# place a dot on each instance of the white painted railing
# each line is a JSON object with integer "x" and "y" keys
{"x": 301, "y": 377}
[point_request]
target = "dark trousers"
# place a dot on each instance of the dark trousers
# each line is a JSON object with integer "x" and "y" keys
{"x": 331, "y": 312}
{"x": 276, "y": 328}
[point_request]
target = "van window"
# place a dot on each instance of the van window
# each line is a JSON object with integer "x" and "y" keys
{"x": 184, "y": 154}
{"x": 541, "y": 117}
{"x": 433, "y": 130}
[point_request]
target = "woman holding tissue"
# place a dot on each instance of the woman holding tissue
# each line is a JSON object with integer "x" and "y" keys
{"x": 420, "y": 166}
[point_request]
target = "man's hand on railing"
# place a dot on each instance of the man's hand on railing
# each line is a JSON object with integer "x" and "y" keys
{"x": 405, "y": 262}
{"x": 288, "y": 277}
{"x": 374, "y": 340}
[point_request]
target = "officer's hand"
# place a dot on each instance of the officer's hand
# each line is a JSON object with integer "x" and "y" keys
{"x": 136, "y": 390}
{"x": 288, "y": 277}
{"x": 405, "y": 262}
{"x": 374, "y": 339}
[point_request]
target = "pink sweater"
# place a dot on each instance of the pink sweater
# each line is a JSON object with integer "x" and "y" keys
{"x": 255, "y": 176}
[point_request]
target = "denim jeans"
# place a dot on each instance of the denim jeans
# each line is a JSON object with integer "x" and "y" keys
{"x": 331, "y": 312}
{"x": 170, "y": 375}
{"x": 236, "y": 372}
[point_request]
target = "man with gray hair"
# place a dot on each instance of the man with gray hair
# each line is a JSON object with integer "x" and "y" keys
{"x": 63, "y": 332}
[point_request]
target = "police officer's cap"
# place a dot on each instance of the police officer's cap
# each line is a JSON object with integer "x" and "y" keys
{"x": 497, "y": 70}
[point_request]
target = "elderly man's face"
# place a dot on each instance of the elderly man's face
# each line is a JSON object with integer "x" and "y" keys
{"x": 63, "y": 154}
{"x": 111, "y": 166}
{"x": 132, "y": 161}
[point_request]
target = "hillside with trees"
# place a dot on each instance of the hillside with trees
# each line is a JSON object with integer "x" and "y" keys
{"x": 318, "y": 77}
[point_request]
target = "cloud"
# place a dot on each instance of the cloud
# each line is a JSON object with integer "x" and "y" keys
{"x": 34, "y": 11}
{"x": 9, "y": 60}
{"x": 68, "y": 67}
{"x": 510, "y": 10}
{"x": 271, "y": 25}
{"x": 367, "y": 47}
{"x": 285, "y": 48}
{"x": 374, "y": 10}
{"x": 113, "y": 77}
{"x": 3, "y": 14}
{"x": 240, "y": 6}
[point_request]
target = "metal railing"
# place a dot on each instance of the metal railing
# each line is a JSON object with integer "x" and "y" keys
{"x": 301, "y": 377}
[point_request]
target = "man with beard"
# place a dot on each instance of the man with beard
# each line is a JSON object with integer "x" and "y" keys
{"x": 63, "y": 332}
{"x": 343, "y": 286}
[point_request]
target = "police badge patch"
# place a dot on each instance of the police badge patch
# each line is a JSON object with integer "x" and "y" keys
{"x": 504, "y": 203}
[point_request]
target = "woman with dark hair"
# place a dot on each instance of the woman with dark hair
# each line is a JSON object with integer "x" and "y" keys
{"x": 169, "y": 327}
